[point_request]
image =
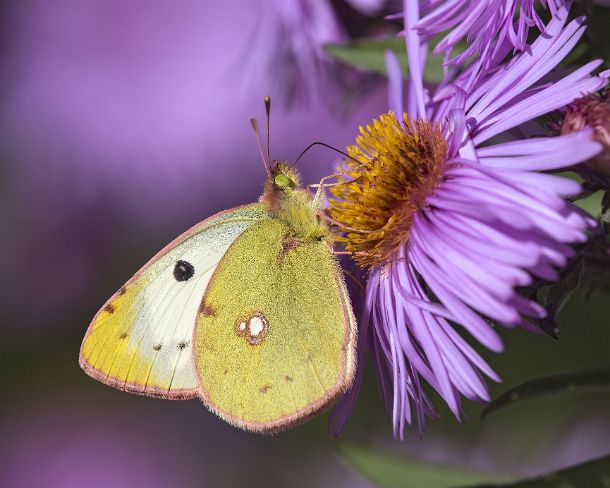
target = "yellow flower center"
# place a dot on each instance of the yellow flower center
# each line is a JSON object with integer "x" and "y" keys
{"x": 376, "y": 200}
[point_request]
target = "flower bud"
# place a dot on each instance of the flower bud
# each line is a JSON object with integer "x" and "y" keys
{"x": 592, "y": 111}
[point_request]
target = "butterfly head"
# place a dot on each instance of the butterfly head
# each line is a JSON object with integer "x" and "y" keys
{"x": 292, "y": 204}
{"x": 284, "y": 178}
{"x": 283, "y": 183}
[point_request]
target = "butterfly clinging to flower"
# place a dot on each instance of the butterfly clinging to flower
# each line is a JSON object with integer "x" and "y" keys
{"x": 247, "y": 310}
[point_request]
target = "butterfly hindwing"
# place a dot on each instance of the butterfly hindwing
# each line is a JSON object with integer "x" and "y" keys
{"x": 140, "y": 341}
{"x": 275, "y": 337}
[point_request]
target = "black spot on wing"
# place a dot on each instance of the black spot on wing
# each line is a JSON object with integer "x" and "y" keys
{"x": 183, "y": 270}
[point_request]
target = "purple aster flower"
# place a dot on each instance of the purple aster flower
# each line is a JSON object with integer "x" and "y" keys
{"x": 490, "y": 28}
{"x": 450, "y": 223}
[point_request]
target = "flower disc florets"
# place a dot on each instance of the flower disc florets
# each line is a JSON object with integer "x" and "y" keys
{"x": 401, "y": 163}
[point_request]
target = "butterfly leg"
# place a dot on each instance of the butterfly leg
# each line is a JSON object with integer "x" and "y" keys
{"x": 317, "y": 200}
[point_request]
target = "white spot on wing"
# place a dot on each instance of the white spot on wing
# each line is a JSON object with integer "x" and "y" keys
{"x": 256, "y": 326}
{"x": 253, "y": 327}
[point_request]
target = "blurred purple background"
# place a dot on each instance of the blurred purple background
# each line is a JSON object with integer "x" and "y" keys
{"x": 130, "y": 121}
{"x": 124, "y": 123}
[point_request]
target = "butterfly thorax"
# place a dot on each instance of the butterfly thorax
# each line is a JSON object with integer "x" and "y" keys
{"x": 294, "y": 205}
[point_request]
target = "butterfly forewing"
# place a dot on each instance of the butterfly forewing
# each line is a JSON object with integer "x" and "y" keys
{"x": 275, "y": 337}
{"x": 140, "y": 341}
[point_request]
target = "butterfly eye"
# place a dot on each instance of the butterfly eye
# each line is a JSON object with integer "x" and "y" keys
{"x": 183, "y": 271}
{"x": 282, "y": 181}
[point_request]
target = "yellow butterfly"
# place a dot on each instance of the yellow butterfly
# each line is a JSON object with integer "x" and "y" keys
{"x": 247, "y": 310}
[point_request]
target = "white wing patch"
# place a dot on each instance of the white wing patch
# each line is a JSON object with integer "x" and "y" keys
{"x": 167, "y": 308}
{"x": 141, "y": 340}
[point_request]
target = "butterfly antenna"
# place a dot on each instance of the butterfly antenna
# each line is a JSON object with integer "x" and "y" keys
{"x": 268, "y": 112}
{"x": 318, "y": 143}
{"x": 257, "y": 132}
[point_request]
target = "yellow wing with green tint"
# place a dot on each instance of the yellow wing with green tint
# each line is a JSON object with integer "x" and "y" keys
{"x": 140, "y": 341}
{"x": 275, "y": 337}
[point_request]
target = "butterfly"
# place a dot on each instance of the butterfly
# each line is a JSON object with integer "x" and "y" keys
{"x": 247, "y": 310}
